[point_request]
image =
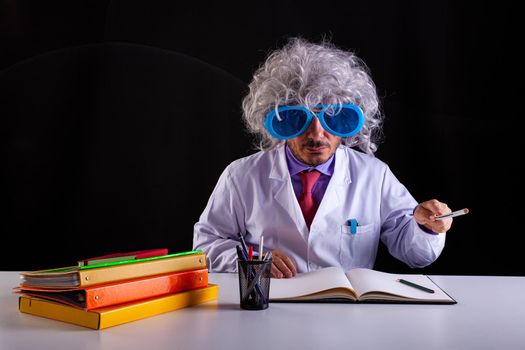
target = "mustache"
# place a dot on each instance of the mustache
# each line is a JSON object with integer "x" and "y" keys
{"x": 311, "y": 143}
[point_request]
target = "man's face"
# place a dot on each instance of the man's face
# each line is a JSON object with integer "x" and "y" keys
{"x": 315, "y": 145}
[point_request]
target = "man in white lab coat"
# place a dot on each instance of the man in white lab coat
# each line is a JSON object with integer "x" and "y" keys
{"x": 315, "y": 113}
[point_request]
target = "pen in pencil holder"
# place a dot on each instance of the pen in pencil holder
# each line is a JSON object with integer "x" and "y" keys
{"x": 254, "y": 283}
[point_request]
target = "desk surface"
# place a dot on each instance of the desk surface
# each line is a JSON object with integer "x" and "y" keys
{"x": 490, "y": 314}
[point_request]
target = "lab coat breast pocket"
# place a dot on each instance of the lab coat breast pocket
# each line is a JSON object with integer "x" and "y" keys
{"x": 359, "y": 249}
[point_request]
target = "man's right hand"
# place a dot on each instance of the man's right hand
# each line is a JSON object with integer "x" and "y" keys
{"x": 282, "y": 265}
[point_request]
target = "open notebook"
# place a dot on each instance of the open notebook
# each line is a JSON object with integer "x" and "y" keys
{"x": 357, "y": 285}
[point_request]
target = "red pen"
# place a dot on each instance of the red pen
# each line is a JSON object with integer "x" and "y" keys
{"x": 250, "y": 253}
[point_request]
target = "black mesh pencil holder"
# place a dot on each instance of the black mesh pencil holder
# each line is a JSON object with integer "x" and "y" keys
{"x": 254, "y": 283}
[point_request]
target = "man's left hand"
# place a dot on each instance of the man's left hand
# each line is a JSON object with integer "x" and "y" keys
{"x": 426, "y": 212}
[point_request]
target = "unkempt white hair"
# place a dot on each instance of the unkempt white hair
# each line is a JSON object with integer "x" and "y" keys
{"x": 305, "y": 73}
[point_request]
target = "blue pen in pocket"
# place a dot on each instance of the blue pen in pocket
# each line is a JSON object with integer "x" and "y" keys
{"x": 353, "y": 226}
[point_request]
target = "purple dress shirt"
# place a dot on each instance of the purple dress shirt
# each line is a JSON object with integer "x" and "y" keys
{"x": 295, "y": 166}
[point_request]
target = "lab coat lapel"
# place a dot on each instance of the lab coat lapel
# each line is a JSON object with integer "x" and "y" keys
{"x": 281, "y": 186}
{"x": 334, "y": 197}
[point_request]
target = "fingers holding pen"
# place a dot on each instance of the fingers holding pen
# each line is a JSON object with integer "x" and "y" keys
{"x": 426, "y": 212}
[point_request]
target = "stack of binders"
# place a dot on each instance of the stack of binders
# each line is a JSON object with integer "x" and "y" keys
{"x": 107, "y": 294}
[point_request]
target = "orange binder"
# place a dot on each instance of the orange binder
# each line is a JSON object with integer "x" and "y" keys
{"x": 121, "y": 292}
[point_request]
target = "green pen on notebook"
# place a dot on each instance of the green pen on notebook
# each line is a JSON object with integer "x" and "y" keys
{"x": 412, "y": 284}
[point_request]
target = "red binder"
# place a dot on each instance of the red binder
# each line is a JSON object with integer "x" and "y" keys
{"x": 139, "y": 254}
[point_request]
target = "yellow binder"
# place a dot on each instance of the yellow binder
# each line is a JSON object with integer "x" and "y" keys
{"x": 116, "y": 315}
{"x": 80, "y": 277}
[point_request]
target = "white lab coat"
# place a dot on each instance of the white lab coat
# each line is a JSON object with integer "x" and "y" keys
{"x": 254, "y": 196}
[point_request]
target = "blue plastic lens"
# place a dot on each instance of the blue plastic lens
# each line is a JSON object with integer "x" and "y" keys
{"x": 292, "y": 121}
{"x": 343, "y": 121}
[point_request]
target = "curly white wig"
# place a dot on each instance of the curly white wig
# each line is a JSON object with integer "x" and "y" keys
{"x": 304, "y": 73}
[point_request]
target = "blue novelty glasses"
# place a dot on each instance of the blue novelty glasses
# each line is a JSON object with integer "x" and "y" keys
{"x": 338, "y": 119}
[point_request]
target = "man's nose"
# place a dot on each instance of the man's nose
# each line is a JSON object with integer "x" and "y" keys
{"x": 315, "y": 127}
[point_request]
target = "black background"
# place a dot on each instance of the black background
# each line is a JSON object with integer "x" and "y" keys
{"x": 446, "y": 72}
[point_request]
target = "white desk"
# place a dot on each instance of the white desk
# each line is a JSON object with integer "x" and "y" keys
{"x": 490, "y": 314}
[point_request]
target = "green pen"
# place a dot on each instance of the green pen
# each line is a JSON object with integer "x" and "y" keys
{"x": 412, "y": 284}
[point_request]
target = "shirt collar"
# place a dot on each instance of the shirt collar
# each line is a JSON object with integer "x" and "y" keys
{"x": 295, "y": 166}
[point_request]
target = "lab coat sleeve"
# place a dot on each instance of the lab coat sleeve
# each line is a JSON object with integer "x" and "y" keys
{"x": 216, "y": 231}
{"x": 400, "y": 232}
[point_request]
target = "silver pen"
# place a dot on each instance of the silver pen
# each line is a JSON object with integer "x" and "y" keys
{"x": 453, "y": 214}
